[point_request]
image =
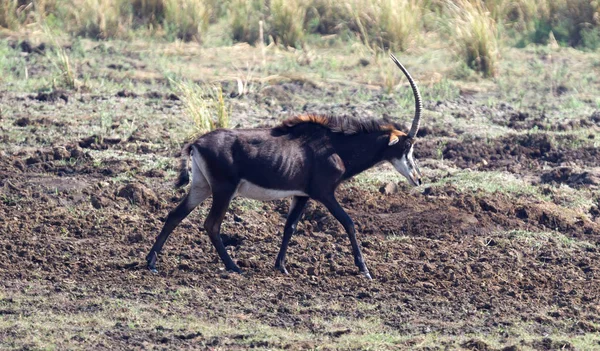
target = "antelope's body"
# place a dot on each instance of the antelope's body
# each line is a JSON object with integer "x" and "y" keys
{"x": 306, "y": 157}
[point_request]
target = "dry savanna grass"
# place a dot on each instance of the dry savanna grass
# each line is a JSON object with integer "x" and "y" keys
{"x": 475, "y": 34}
{"x": 205, "y": 106}
{"x": 474, "y": 27}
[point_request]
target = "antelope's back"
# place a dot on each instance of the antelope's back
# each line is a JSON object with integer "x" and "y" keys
{"x": 258, "y": 156}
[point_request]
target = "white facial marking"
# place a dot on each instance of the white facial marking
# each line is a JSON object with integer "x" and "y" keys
{"x": 404, "y": 165}
{"x": 255, "y": 192}
{"x": 401, "y": 166}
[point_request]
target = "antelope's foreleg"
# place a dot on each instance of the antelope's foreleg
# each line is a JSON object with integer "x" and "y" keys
{"x": 338, "y": 212}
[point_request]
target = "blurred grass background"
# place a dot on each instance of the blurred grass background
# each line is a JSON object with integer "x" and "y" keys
{"x": 476, "y": 29}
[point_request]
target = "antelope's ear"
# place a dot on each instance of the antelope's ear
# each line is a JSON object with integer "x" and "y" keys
{"x": 393, "y": 140}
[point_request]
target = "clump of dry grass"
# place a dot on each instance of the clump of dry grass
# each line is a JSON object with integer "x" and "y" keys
{"x": 104, "y": 19}
{"x": 66, "y": 76}
{"x": 99, "y": 19}
{"x": 186, "y": 19}
{"x": 204, "y": 105}
{"x": 66, "y": 72}
{"x": 475, "y": 34}
{"x": 380, "y": 24}
{"x": 571, "y": 22}
{"x": 9, "y": 14}
{"x": 244, "y": 17}
{"x": 327, "y": 16}
{"x": 387, "y": 24}
{"x": 287, "y": 21}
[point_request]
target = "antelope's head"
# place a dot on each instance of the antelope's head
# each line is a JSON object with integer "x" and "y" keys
{"x": 400, "y": 147}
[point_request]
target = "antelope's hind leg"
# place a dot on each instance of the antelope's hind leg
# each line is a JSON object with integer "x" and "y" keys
{"x": 221, "y": 200}
{"x": 199, "y": 191}
{"x": 296, "y": 210}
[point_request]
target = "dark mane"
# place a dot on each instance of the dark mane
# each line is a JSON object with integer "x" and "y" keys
{"x": 344, "y": 125}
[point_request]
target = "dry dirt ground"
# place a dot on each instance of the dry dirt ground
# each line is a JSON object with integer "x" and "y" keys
{"x": 499, "y": 250}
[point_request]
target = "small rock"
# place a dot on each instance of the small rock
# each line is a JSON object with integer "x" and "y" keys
{"x": 88, "y": 141}
{"x": 23, "y": 122}
{"x": 363, "y": 295}
{"x": 311, "y": 271}
{"x": 127, "y": 94}
{"x": 338, "y": 333}
{"x": 138, "y": 194}
{"x": 19, "y": 165}
{"x": 77, "y": 152}
{"x": 389, "y": 189}
{"x": 99, "y": 202}
{"x": 428, "y": 268}
{"x": 33, "y": 160}
{"x": 474, "y": 344}
{"x": 61, "y": 153}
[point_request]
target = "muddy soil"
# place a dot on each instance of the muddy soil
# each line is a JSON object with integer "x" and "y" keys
{"x": 442, "y": 260}
{"x": 86, "y": 209}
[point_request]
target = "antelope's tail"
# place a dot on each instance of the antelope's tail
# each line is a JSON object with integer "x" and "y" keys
{"x": 184, "y": 172}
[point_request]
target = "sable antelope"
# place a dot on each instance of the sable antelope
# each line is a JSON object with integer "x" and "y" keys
{"x": 306, "y": 157}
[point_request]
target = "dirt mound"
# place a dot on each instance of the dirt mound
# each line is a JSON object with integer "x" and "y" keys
{"x": 514, "y": 152}
{"x": 138, "y": 194}
{"x": 27, "y": 47}
{"x": 520, "y": 120}
{"x": 573, "y": 177}
{"x": 56, "y": 153}
{"x": 52, "y": 96}
{"x": 446, "y": 247}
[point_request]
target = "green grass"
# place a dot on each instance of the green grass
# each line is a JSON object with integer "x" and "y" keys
{"x": 540, "y": 239}
{"x": 160, "y": 325}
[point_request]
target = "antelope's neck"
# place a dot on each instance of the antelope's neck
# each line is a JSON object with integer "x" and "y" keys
{"x": 361, "y": 152}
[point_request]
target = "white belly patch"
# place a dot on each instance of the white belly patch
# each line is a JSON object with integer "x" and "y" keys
{"x": 255, "y": 192}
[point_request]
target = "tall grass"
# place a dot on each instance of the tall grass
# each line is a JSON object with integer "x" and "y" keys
{"x": 475, "y": 33}
{"x": 66, "y": 76}
{"x": 204, "y": 105}
{"x": 387, "y": 24}
{"x": 287, "y": 21}
{"x": 475, "y": 25}
{"x": 99, "y": 19}
{"x": 571, "y": 22}
{"x": 244, "y": 16}
{"x": 186, "y": 19}
{"x": 9, "y": 16}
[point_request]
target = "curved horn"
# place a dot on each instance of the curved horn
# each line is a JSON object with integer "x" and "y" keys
{"x": 418, "y": 103}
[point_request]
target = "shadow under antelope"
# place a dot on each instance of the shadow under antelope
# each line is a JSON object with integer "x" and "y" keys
{"x": 306, "y": 157}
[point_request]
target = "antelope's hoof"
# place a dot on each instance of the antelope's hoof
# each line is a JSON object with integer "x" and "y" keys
{"x": 366, "y": 275}
{"x": 234, "y": 269}
{"x": 282, "y": 269}
{"x": 151, "y": 259}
